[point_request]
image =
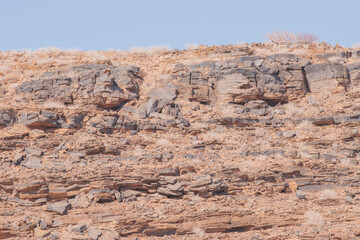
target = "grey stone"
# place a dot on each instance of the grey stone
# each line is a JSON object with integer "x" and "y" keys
{"x": 7, "y": 118}
{"x": 310, "y": 154}
{"x": 168, "y": 192}
{"x": 172, "y": 110}
{"x": 103, "y": 123}
{"x": 59, "y": 207}
{"x": 103, "y": 85}
{"x": 259, "y": 112}
{"x": 239, "y": 110}
{"x": 33, "y": 163}
{"x": 168, "y": 172}
{"x": 18, "y": 158}
{"x": 279, "y": 111}
{"x": 141, "y": 111}
{"x": 349, "y": 199}
{"x": 43, "y": 224}
{"x": 271, "y": 83}
{"x": 268, "y": 67}
{"x": 21, "y": 202}
{"x": 175, "y": 187}
{"x": 327, "y": 77}
{"x": 328, "y": 156}
{"x": 241, "y": 122}
{"x": 62, "y": 146}
{"x": 34, "y": 151}
{"x": 355, "y": 54}
{"x": 118, "y": 196}
{"x": 74, "y": 121}
{"x": 322, "y": 121}
{"x": 347, "y": 153}
{"x": 300, "y": 194}
{"x": 79, "y": 228}
{"x": 77, "y": 154}
{"x": 94, "y": 233}
{"x": 202, "y": 181}
{"x": 232, "y": 86}
{"x": 41, "y": 201}
{"x": 193, "y": 86}
{"x": 151, "y": 106}
{"x": 304, "y": 62}
{"x": 39, "y": 120}
{"x": 245, "y": 78}
{"x": 342, "y": 119}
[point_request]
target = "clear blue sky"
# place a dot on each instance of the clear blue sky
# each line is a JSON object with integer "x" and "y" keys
{"x": 120, "y": 24}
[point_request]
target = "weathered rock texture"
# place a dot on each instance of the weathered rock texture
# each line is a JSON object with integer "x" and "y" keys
{"x": 222, "y": 142}
{"x": 103, "y": 85}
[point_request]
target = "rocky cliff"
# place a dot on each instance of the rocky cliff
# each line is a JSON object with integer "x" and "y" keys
{"x": 251, "y": 141}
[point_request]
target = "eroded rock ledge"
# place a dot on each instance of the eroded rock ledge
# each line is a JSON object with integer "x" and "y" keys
{"x": 245, "y": 141}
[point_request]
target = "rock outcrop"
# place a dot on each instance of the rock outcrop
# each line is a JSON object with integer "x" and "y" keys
{"x": 327, "y": 77}
{"x": 245, "y": 141}
{"x": 102, "y": 85}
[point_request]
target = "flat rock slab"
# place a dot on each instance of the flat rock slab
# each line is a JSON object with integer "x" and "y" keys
{"x": 33, "y": 163}
{"x": 94, "y": 233}
{"x": 59, "y": 207}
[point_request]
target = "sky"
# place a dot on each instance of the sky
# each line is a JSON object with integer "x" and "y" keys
{"x": 124, "y": 24}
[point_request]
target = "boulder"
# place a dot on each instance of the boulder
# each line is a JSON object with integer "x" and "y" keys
{"x": 58, "y": 207}
{"x": 94, "y": 233}
{"x": 40, "y": 120}
{"x": 7, "y": 118}
{"x": 103, "y": 123}
{"x": 327, "y": 77}
{"x": 78, "y": 228}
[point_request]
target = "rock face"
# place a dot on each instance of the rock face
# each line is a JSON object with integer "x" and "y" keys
{"x": 354, "y": 71}
{"x": 43, "y": 119}
{"x": 273, "y": 79}
{"x": 327, "y": 77}
{"x": 248, "y": 143}
{"x": 103, "y": 85}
